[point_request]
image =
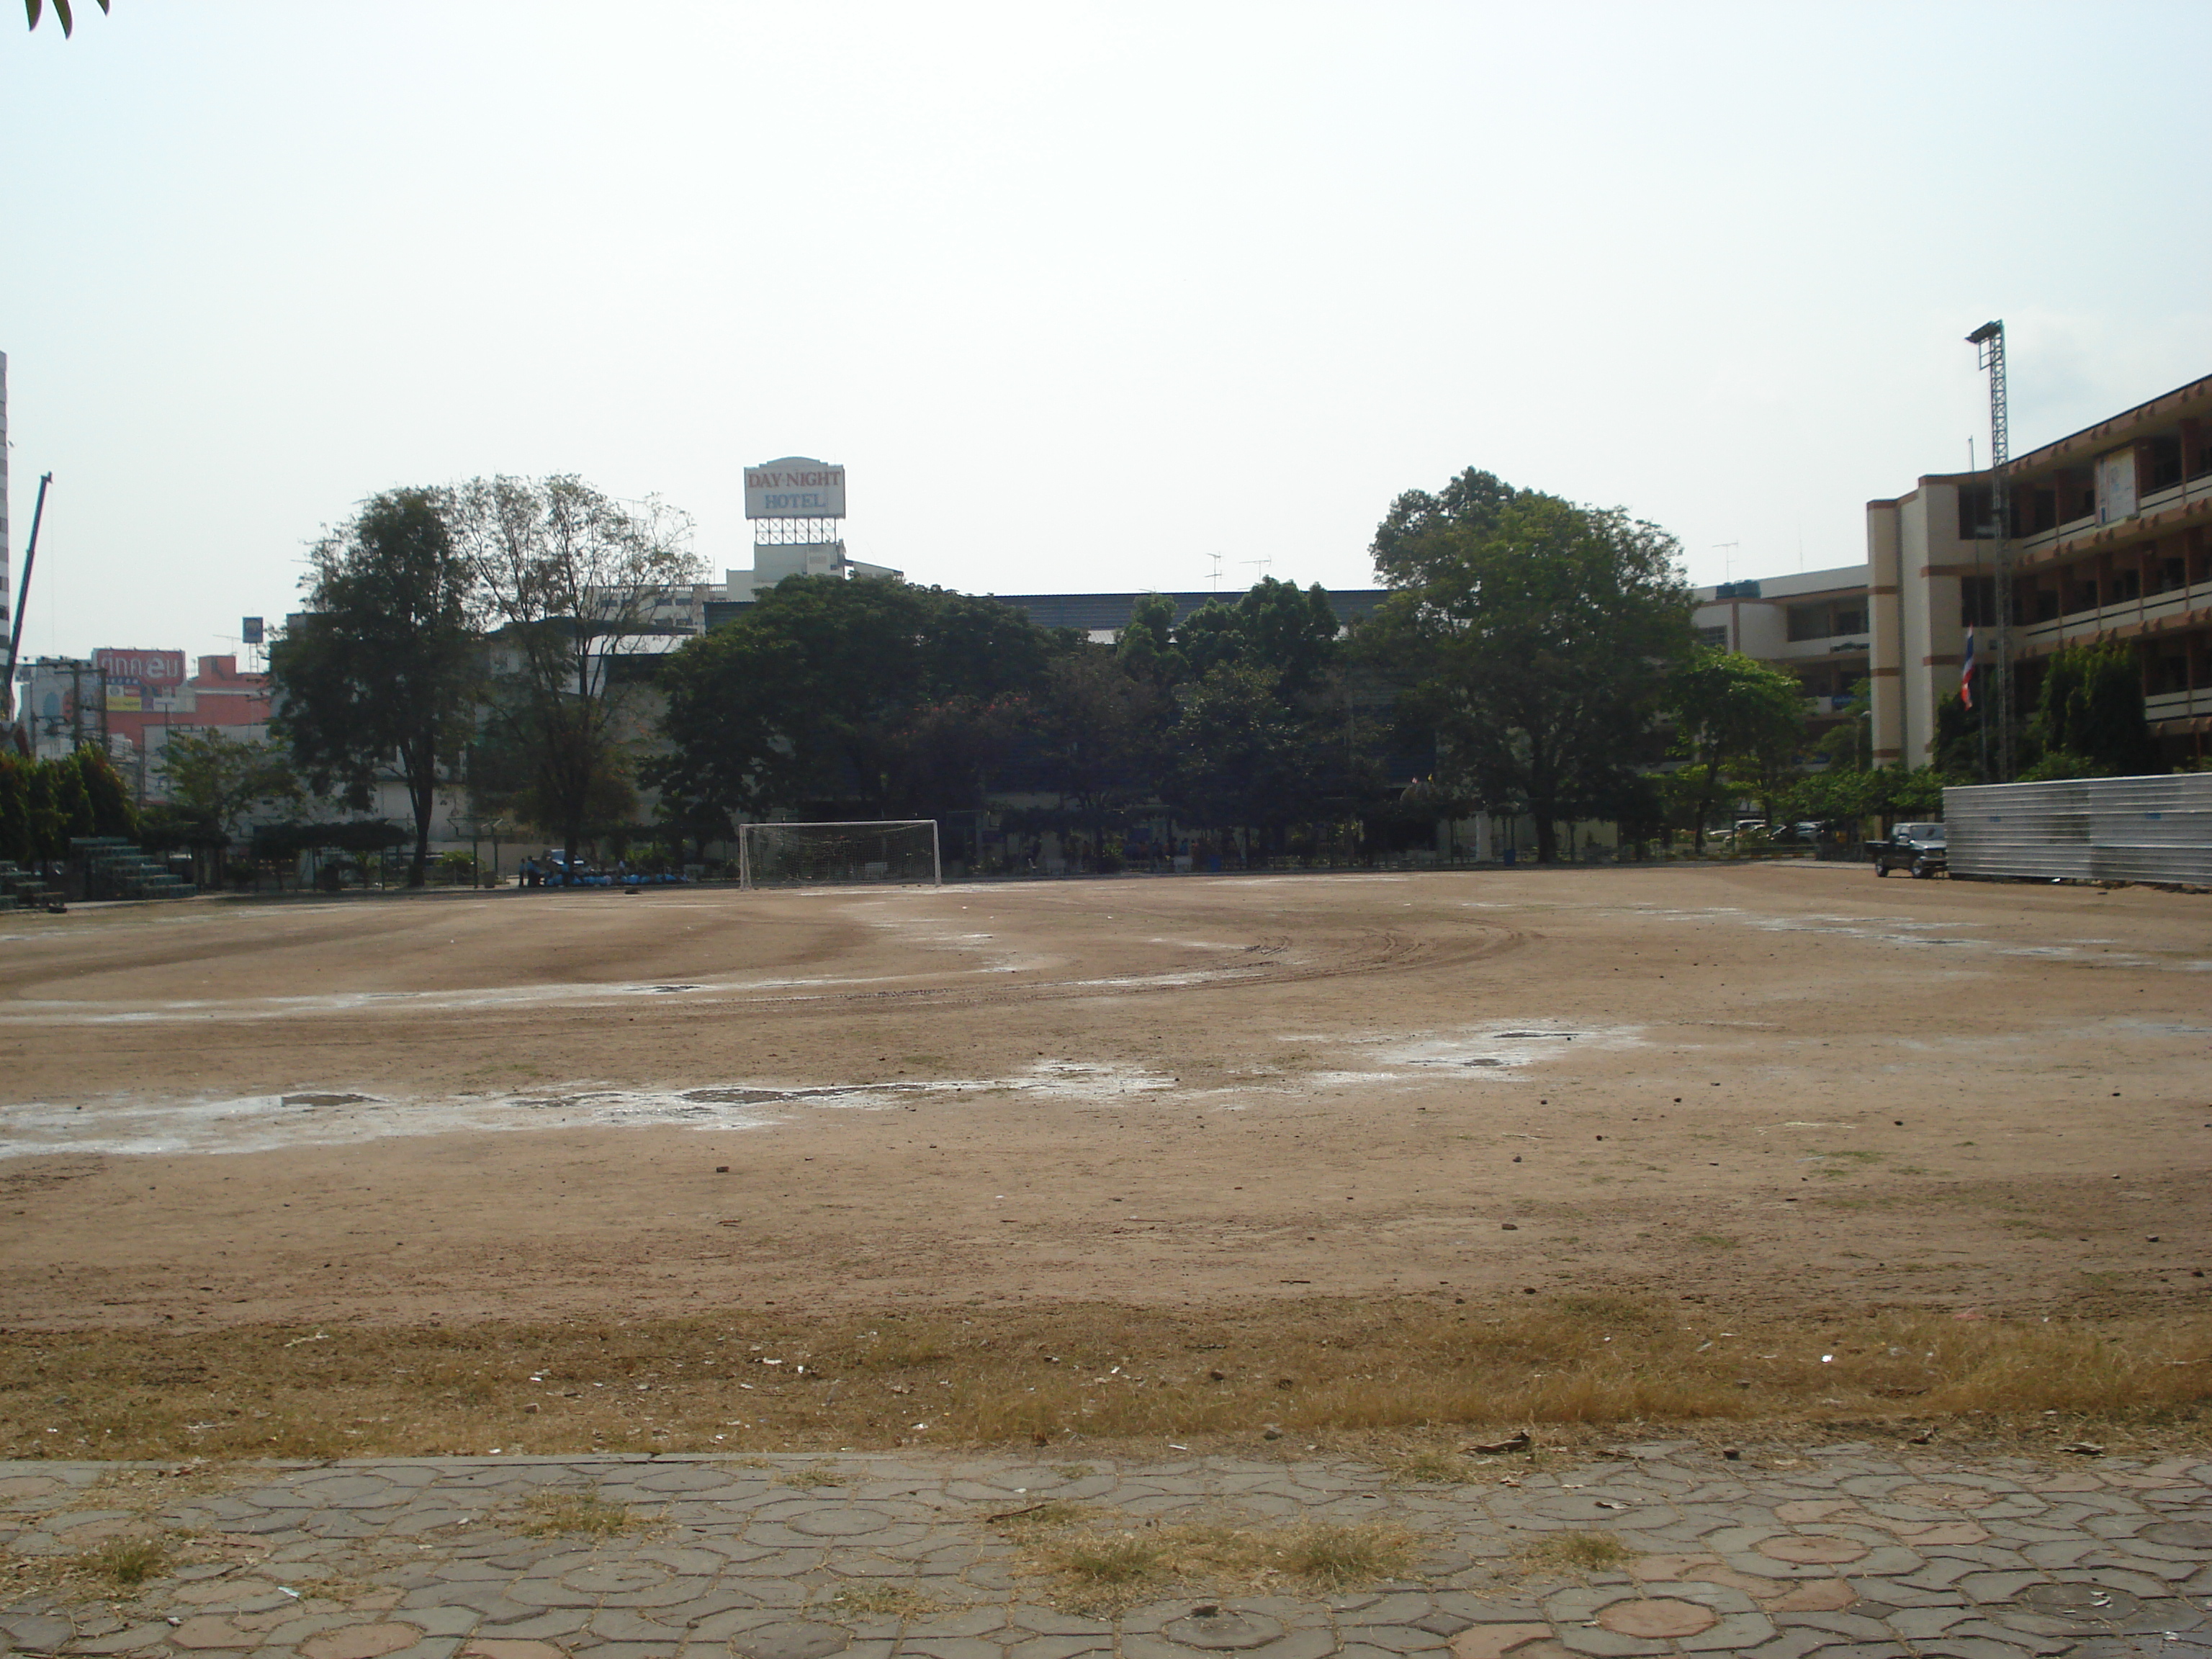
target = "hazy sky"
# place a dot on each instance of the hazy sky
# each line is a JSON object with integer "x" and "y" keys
{"x": 1080, "y": 294}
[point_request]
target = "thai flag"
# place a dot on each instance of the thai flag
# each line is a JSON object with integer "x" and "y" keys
{"x": 1966, "y": 672}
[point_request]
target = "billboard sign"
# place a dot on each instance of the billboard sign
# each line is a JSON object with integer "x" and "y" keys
{"x": 795, "y": 488}
{"x": 159, "y": 670}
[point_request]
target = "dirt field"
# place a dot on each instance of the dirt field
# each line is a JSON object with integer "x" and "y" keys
{"x": 1780, "y": 1089}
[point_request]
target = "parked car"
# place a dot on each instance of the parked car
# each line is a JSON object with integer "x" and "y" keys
{"x": 1918, "y": 847}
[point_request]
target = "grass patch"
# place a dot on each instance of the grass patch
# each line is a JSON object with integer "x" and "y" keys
{"x": 814, "y": 1474}
{"x": 1715, "y": 1241}
{"x": 1429, "y": 1468}
{"x": 577, "y": 1515}
{"x": 1575, "y": 1551}
{"x": 1101, "y": 1565}
{"x": 1407, "y": 1370}
{"x": 123, "y": 1564}
{"x": 886, "y": 1601}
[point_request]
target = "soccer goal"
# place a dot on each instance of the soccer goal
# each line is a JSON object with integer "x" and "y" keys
{"x": 806, "y": 854}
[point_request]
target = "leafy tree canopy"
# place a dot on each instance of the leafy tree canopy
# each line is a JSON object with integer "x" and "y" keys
{"x": 2089, "y": 716}
{"x": 1535, "y": 637}
{"x": 380, "y": 677}
{"x": 822, "y": 689}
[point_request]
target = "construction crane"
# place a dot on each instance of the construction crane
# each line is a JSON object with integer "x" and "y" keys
{"x": 23, "y": 597}
{"x": 1989, "y": 342}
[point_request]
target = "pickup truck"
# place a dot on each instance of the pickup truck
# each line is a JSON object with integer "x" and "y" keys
{"x": 1915, "y": 846}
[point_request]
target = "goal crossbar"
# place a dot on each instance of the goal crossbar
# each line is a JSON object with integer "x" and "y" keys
{"x": 838, "y": 842}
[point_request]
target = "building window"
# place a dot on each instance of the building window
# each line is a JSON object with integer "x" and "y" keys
{"x": 1976, "y": 512}
{"x": 2162, "y": 459}
{"x": 1977, "y": 602}
{"x": 1715, "y": 637}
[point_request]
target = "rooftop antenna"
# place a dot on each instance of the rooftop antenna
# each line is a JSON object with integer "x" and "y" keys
{"x": 1989, "y": 341}
{"x": 1214, "y": 580}
{"x": 1728, "y": 552}
{"x": 1261, "y": 564}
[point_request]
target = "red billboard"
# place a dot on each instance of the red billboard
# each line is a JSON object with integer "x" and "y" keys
{"x": 159, "y": 671}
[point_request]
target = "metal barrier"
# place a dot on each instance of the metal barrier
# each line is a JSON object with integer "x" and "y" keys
{"x": 2151, "y": 829}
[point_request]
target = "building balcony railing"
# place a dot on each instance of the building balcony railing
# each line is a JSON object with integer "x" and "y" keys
{"x": 2088, "y": 623}
{"x": 2152, "y": 502}
{"x": 2179, "y": 705}
{"x": 1823, "y": 648}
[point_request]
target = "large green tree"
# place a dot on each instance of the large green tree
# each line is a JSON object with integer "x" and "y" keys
{"x": 569, "y": 579}
{"x": 1536, "y": 637}
{"x": 1098, "y": 727}
{"x": 379, "y": 677}
{"x": 865, "y": 698}
{"x": 1734, "y": 717}
{"x": 213, "y": 781}
{"x": 2089, "y": 718}
{"x": 1289, "y": 635}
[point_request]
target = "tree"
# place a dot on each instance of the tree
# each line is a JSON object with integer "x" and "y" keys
{"x": 382, "y": 673}
{"x": 2089, "y": 716}
{"x": 867, "y": 697}
{"x": 61, "y": 14}
{"x": 1536, "y": 636}
{"x": 1292, "y": 636}
{"x": 1147, "y": 649}
{"x": 105, "y": 793}
{"x": 1243, "y": 756}
{"x": 216, "y": 781}
{"x": 1098, "y": 729}
{"x": 1406, "y": 539}
{"x": 569, "y": 579}
{"x": 1731, "y": 711}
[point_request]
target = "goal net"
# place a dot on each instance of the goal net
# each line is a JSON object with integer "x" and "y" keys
{"x": 791, "y": 854}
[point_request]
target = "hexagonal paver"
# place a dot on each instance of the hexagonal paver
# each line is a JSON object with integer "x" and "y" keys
{"x": 794, "y": 1640}
{"x": 1660, "y": 1618}
{"x": 361, "y": 1641}
{"x": 1811, "y": 1549}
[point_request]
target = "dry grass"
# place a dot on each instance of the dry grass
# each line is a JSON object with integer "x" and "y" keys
{"x": 577, "y": 1515}
{"x": 123, "y": 1564}
{"x": 1576, "y": 1552}
{"x": 884, "y": 1601}
{"x": 1409, "y": 1367}
{"x": 1096, "y": 1562}
{"x": 1419, "y": 1468}
{"x": 814, "y": 1474}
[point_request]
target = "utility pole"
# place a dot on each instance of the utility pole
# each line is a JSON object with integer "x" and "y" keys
{"x": 1990, "y": 343}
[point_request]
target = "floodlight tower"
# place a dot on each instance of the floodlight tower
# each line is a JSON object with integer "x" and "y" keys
{"x": 1989, "y": 342}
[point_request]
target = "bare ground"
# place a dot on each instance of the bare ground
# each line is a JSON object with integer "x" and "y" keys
{"x": 1786, "y": 1092}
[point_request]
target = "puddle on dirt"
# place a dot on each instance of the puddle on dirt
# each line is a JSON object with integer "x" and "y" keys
{"x": 257, "y": 1123}
{"x": 1505, "y": 1047}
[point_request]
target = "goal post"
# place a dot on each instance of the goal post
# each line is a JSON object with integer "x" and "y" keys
{"x": 891, "y": 851}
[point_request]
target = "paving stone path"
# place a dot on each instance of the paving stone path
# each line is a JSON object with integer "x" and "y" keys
{"x": 1847, "y": 1551}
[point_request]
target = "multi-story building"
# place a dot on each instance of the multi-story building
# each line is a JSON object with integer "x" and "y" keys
{"x": 1812, "y": 624}
{"x": 2111, "y": 540}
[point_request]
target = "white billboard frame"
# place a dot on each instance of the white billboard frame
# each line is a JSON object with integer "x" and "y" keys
{"x": 795, "y": 487}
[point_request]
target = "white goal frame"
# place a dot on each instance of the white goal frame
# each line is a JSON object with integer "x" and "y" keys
{"x": 745, "y": 831}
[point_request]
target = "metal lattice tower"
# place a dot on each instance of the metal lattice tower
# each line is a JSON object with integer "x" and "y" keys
{"x": 1989, "y": 341}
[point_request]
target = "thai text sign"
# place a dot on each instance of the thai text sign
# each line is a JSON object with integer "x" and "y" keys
{"x": 795, "y": 488}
